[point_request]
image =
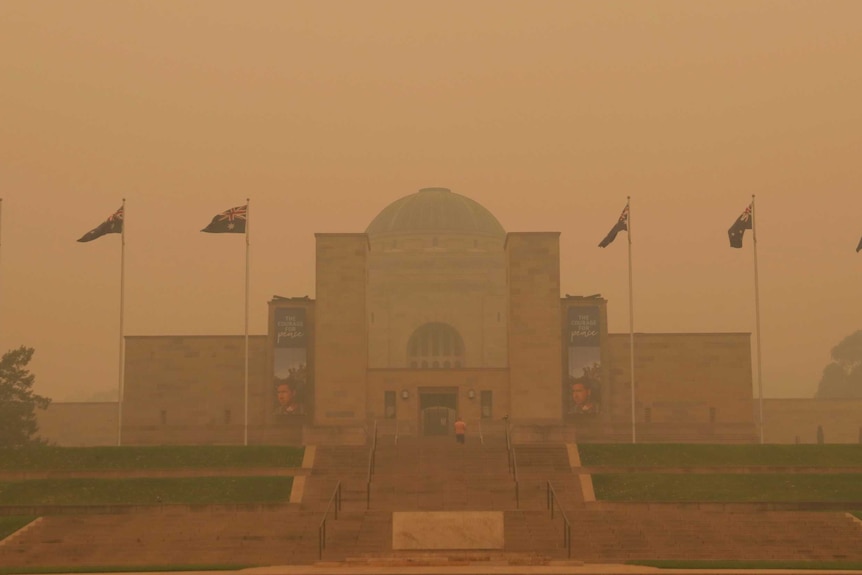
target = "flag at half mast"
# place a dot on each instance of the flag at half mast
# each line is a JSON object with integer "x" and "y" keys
{"x": 622, "y": 225}
{"x": 113, "y": 225}
{"x": 742, "y": 223}
{"x": 230, "y": 221}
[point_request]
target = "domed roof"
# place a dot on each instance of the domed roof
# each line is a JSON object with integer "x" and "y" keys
{"x": 435, "y": 210}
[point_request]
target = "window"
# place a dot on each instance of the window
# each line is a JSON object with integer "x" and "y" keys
{"x": 436, "y": 345}
{"x": 389, "y": 404}
{"x": 227, "y": 417}
{"x": 163, "y": 416}
{"x": 487, "y": 398}
{"x": 712, "y": 413}
{"x": 647, "y": 414}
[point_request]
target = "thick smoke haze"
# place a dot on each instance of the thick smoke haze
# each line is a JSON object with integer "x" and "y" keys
{"x": 547, "y": 113}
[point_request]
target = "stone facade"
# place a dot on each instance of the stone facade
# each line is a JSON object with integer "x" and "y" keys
{"x": 189, "y": 389}
{"x": 798, "y": 420}
{"x": 435, "y": 311}
{"x": 694, "y": 387}
{"x": 341, "y": 336}
{"x": 534, "y": 319}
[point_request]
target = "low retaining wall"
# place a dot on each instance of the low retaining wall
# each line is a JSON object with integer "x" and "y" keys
{"x": 38, "y": 510}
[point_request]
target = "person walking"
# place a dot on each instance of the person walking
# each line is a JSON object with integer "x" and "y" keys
{"x": 460, "y": 431}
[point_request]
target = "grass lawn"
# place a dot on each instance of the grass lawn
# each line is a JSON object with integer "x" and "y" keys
{"x": 698, "y": 455}
{"x": 160, "y": 457}
{"x": 11, "y": 524}
{"x": 190, "y": 490}
{"x": 122, "y": 568}
{"x": 759, "y": 565}
{"x": 728, "y": 487}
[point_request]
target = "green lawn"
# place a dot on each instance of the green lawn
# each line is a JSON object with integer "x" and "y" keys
{"x": 728, "y": 487}
{"x": 189, "y": 490}
{"x": 689, "y": 455}
{"x": 9, "y": 525}
{"x": 122, "y": 568}
{"x": 161, "y": 457}
{"x": 758, "y": 565}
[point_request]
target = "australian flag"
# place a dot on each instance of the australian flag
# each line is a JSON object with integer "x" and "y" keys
{"x": 231, "y": 221}
{"x": 113, "y": 225}
{"x": 622, "y": 225}
{"x": 742, "y": 223}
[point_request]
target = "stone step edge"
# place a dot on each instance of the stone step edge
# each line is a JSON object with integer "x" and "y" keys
{"x": 15, "y": 534}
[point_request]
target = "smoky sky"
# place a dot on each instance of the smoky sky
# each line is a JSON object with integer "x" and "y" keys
{"x": 547, "y": 113}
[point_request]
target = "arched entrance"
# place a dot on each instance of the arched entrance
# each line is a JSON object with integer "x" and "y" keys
{"x": 437, "y": 409}
{"x": 435, "y": 346}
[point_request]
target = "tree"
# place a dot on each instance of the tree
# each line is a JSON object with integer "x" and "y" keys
{"x": 842, "y": 379}
{"x": 18, "y": 402}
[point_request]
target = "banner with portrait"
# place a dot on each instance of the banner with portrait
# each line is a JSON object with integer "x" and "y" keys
{"x": 582, "y": 386}
{"x": 290, "y": 388}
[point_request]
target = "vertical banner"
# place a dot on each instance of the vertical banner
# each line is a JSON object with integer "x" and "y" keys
{"x": 290, "y": 363}
{"x": 582, "y": 388}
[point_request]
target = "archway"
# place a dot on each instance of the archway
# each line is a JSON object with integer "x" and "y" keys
{"x": 435, "y": 346}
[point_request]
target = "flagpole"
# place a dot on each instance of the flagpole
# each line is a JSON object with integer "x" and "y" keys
{"x": 631, "y": 319}
{"x": 247, "y": 245}
{"x": 1, "y": 252}
{"x": 121, "y": 342}
{"x": 1, "y": 244}
{"x": 757, "y": 319}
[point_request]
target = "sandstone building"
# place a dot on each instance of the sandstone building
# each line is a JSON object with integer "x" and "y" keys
{"x": 436, "y": 311}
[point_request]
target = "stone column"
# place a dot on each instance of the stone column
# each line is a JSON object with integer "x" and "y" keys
{"x": 341, "y": 333}
{"x": 534, "y": 327}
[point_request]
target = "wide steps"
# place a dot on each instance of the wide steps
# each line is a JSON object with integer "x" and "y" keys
{"x": 166, "y": 538}
{"x": 617, "y": 535}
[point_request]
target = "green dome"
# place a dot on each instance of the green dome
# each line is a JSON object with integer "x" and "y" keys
{"x": 435, "y": 210}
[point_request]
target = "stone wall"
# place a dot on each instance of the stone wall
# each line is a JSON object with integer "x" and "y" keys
{"x": 534, "y": 325}
{"x": 454, "y": 279}
{"x": 689, "y": 387}
{"x": 341, "y": 333}
{"x": 189, "y": 389}
{"x": 792, "y": 420}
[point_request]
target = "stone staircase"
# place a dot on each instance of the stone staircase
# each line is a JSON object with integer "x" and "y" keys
{"x": 442, "y": 476}
{"x": 538, "y": 464}
{"x": 164, "y": 537}
{"x": 435, "y": 475}
{"x": 617, "y": 535}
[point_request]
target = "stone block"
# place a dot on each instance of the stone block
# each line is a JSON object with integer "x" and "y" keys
{"x": 447, "y": 530}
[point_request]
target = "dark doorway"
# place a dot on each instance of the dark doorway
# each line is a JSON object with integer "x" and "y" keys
{"x": 435, "y": 421}
{"x": 437, "y": 411}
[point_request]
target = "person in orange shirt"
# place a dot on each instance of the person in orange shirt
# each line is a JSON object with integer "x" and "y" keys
{"x": 460, "y": 430}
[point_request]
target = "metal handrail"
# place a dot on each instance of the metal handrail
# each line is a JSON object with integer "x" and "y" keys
{"x": 515, "y": 475}
{"x": 508, "y": 446}
{"x": 513, "y": 465}
{"x": 321, "y": 529}
{"x": 372, "y": 460}
{"x": 553, "y": 501}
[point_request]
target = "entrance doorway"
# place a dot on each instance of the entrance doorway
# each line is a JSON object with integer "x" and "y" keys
{"x": 437, "y": 411}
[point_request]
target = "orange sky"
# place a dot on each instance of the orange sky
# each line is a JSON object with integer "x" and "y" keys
{"x": 547, "y": 113}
